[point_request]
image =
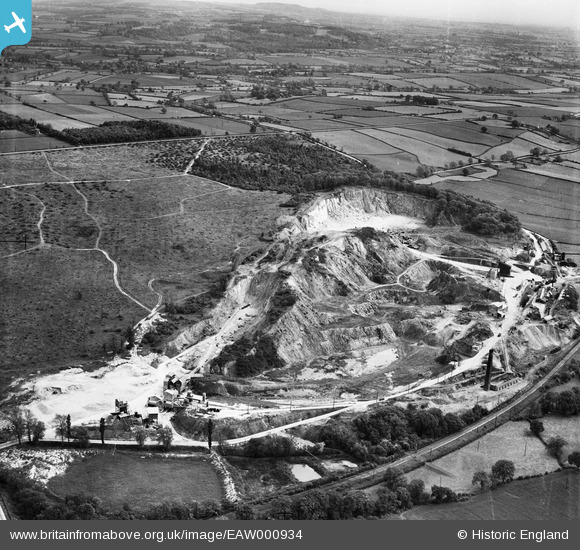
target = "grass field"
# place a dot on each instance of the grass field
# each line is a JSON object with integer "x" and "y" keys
{"x": 460, "y": 131}
{"x": 567, "y": 427}
{"x": 19, "y": 141}
{"x": 439, "y": 82}
{"x": 551, "y": 497}
{"x": 518, "y": 146}
{"x": 504, "y": 82}
{"x": 395, "y": 162}
{"x": 475, "y": 149}
{"x": 356, "y": 142}
{"x": 511, "y": 441}
{"x": 139, "y": 479}
{"x": 427, "y": 153}
{"x": 56, "y": 121}
{"x": 84, "y": 113}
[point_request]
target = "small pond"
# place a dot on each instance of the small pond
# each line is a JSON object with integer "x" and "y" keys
{"x": 303, "y": 472}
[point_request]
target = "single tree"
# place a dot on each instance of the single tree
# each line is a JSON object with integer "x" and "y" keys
{"x": 416, "y": 488}
{"x": 140, "y": 434}
{"x": 29, "y": 420}
{"x": 16, "y": 423}
{"x": 555, "y": 446}
{"x": 482, "y": 478}
{"x": 68, "y": 427}
{"x": 102, "y": 430}
{"x": 502, "y": 472}
{"x": 574, "y": 459}
{"x": 59, "y": 424}
{"x": 38, "y": 430}
{"x": 209, "y": 433}
{"x": 165, "y": 437}
{"x": 536, "y": 427}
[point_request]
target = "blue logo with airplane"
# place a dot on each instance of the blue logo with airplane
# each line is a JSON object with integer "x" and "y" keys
{"x": 15, "y": 22}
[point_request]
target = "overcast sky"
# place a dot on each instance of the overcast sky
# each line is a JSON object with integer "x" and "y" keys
{"x": 540, "y": 12}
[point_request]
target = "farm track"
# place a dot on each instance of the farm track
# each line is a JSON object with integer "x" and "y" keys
{"x": 192, "y": 161}
{"x": 181, "y": 211}
{"x": 159, "y": 295}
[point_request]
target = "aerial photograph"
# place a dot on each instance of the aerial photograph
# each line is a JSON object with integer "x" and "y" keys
{"x": 290, "y": 261}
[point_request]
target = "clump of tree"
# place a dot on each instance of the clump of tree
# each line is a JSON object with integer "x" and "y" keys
{"x": 120, "y": 132}
{"x": 20, "y": 423}
{"x": 442, "y": 495}
{"x": 390, "y": 431}
{"x": 280, "y": 302}
{"x": 248, "y": 356}
{"x": 566, "y": 402}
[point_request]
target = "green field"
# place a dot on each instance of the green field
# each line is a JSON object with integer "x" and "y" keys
{"x": 139, "y": 479}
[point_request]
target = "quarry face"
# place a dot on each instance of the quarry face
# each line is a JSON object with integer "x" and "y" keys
{"x": 359, "y": 297}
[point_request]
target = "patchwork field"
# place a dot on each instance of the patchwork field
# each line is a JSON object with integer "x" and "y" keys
{"x": 427, "y": 153}
{"x": 84, "y": 113}
{"x": 550, "y": 206}
{"x": 475, "y": 149}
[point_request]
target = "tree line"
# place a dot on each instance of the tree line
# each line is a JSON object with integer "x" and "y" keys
{"x": 120, "y": 132}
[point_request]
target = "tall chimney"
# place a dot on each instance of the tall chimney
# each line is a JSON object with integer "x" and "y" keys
{"x": 488, "y": 370}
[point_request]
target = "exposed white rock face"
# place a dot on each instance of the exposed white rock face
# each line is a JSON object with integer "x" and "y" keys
{"x": 366, "y": 207}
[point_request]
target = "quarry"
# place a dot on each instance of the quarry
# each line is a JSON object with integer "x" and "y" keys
{"x": 362, "y": 296}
